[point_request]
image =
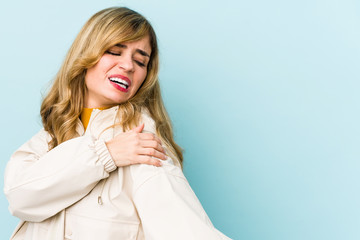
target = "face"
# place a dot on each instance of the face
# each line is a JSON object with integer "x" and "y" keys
{"x": 118, "y": 75}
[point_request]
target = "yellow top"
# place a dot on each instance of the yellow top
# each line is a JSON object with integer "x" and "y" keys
{"x": 86, "y": 114}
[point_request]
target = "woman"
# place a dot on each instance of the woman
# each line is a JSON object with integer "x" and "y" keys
{"x": 105, "y": 165}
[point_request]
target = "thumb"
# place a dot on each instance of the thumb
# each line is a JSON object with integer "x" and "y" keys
{"x": 139, "y": 128}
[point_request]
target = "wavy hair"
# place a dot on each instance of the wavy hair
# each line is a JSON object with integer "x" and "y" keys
{"x": 62, "y": 106}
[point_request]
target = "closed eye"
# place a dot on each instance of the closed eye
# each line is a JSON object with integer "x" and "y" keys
{"x": 140, "y": 63}
{"x": 113, "y": 53}
{"x": 118, "y": 53}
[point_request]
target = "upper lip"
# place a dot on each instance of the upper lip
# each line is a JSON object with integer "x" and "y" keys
{"x": 121, "y": 77}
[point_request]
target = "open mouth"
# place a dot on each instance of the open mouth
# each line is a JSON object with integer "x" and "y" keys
{"x": 120, "y": 82}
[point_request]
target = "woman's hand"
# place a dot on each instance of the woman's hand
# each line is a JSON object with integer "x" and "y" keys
{"x": 135, "y": 147}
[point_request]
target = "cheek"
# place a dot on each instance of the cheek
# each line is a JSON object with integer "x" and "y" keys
{"x": 98, "y": 72}
{"x": 140, "y": 79}
{"x": 103, "y": 66}
{"x": 91, "y": 78}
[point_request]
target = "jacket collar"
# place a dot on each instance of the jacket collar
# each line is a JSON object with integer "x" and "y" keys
{"x": 99, "y": 121}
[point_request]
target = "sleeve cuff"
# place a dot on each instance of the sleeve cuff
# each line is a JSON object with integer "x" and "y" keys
{"x": 104, "y": 155}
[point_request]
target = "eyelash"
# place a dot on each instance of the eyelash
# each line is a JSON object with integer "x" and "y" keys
{"x": 119, "y": 54}
{"x": 112, "y": 53}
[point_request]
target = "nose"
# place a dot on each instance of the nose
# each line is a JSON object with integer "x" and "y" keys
{"x": 126, "y": 63}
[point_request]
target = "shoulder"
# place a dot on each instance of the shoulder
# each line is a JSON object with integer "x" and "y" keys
{"x": 37, "y": 145}
{"x": 41, "y": 137}
{"x": 150, "y": 125}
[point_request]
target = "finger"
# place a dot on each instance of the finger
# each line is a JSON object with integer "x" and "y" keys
{"x": 152, "y": 153}
{"x": 152, "y": 144}
{"x": 149, "y": 160}
{"x": 139, "y": 128}
{"x": 149, "y": 136}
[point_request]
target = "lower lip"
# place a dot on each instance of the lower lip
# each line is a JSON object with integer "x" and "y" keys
{"x": 118, "y": 87}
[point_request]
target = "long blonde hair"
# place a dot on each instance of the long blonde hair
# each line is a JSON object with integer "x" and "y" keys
{"x": 62, "y": 106}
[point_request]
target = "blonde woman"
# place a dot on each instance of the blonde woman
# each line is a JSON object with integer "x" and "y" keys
{"x": 105, "y": 165}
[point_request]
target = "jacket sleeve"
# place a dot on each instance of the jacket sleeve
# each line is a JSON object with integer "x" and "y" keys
{"x": 167, "y": 206}
{"x": 40, "y": 183}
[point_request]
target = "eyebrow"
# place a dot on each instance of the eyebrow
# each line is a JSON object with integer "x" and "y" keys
{"x": 142, "y": 52}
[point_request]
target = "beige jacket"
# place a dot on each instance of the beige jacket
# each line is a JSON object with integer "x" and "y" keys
{"x": 75, "y": 191}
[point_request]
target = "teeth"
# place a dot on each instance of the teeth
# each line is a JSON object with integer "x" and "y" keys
{"x": 120, "y": 82}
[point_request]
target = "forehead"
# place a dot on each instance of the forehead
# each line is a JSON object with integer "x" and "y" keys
{"x": 142, "y": 44}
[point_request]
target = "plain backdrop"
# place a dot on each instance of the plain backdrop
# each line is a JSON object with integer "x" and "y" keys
{"x": 264, "y": 98}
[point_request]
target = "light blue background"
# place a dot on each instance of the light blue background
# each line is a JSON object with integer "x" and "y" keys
{"x": 264, "y": 97}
